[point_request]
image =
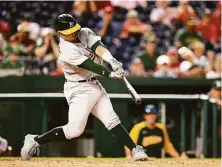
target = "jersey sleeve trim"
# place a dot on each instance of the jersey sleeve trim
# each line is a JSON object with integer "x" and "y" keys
{"x": 95, "y": 45}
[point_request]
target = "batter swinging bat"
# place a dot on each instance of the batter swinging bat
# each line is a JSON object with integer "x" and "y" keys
{"x": 132, "y": 91}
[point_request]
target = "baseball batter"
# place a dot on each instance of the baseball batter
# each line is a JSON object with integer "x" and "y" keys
{"x": 81, "y": 54}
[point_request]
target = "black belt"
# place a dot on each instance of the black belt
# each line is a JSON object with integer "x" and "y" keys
{"x": 86, "y": 80}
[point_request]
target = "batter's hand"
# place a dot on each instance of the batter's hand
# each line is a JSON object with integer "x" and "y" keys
{"x": 116, "y": 75}
{"x": 120, "y": 71}
{"x": 116, "y": 66}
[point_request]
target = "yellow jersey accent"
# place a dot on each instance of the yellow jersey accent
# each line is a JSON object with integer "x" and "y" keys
{"x": 150, "y": 140}
{"x": 168, "y": 146}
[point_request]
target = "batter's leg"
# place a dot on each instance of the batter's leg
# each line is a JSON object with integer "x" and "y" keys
{"x": 105, "y": 113}
{"x": 79, "y": 109}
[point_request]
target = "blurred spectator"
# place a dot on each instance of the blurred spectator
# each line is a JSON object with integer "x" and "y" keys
{"x": 163, "y": 13}
{"x": 152, "y": 135}
{"x": 32, "y": 27}
{"x": 48, "y": 46}
{"x": 81, "y": 7}
{"x": 5, "y": 29}
{"x": 12, "y": 62}
{"x": 3, "y": 145}
{"x": 149, "y": 56}
{"x": 215, "y": 93}
{"x": 163, "y": 68}
{"x": 216, "y": 70}
{"x": 129, "y": 5}
{"x": 208, "y": 31}
{"x": 24, "y": 39}
{"x": 173, "y": 60}
{"x": 188, "y": 35}
{"x": 13, "y": 46}
{"x": 200, "y": 59}
{"x": 133, "y": 26}
{"x": 46, "y": 50}
{"x": 188, "y": 69}
{"x": 185, "y": 11}
{"x": 85, "y": 13}
{"x": 216, "y": 19}
{"x": 106, "y": 27}
{"x": 12, "y": 66}
{"x": 137, "y": 68}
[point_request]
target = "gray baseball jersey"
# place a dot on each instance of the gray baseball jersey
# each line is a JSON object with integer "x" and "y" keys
{"x": 73, "y": 54}
{"x": 86, "y": 97}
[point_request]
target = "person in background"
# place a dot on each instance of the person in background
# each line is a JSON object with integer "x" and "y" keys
{"x": 12, "y": 62}
{"x": 12, "y": 65}
{"x": 173, "y": 60}
{"x": 133, "y": 26}
{"x": 5, "y": 30}
{"x": 46, "y": 51}
{"x": 188, "y": 69}
{"x": 129, "y": 5}
{"x": 215, "y": 19}
{"x": 198, "y": 50}
{"x": 13, "y": 46}
{"x": 207, "y": 30}
{"x": 86, "y": 12}
{"x": 149, "y": 55}
{"x": 81, "y": 7}
{"x": 24, "y": 39}
{"x": 188, "y": 35}
{"x": 106, "y": 27}
{"x": 48, "y": 46}
{"x": 137, "y": 68}
{"x": 215, "y": 72}
{"x": 162, "y": 13}
{"x": 185, "y": 11}
{"x": 32, "y": 27}
{"x": 163, "y": 68}
{"x": 152, "y": 135}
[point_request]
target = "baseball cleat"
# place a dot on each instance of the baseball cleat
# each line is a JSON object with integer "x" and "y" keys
{"x": 139, "y": 154}
{"x": 30, "y": 147}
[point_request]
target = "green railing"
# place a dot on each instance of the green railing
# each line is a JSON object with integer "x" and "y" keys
{"x": 162, "y": 99}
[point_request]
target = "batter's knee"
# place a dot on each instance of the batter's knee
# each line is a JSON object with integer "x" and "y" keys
{"x": 112, "y": 121}
{"x": 71, "y": 131}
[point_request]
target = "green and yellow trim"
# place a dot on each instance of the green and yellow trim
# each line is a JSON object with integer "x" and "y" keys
{"x": 70, "y": 30}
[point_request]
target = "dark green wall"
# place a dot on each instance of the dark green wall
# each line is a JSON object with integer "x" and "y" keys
{"x": 37, "y": 84}
{"x": 18, "y": 118}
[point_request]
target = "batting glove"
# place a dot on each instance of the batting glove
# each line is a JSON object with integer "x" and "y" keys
{"x": 116, "y": 65}
{"x": 115, "y": 75}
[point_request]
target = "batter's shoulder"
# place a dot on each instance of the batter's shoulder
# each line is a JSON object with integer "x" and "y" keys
{"x": 85, "y": 32}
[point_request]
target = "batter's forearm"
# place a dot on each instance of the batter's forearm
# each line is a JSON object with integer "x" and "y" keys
{"x": 100, "y": 49}
{"x": 96, "y": 68}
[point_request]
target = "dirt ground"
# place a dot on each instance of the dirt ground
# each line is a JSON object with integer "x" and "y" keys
{"x": 109, "y": 162}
